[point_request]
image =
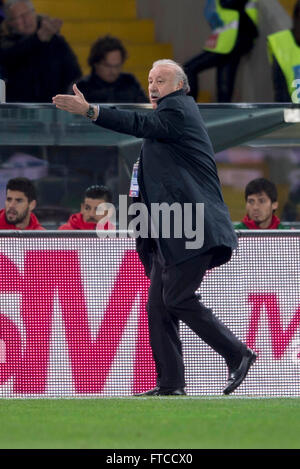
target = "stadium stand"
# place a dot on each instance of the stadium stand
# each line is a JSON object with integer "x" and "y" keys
{"x": 288, "y": 5}
{"x": 85, "y": 21}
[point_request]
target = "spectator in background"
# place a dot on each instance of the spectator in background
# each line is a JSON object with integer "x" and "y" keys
{"x": 261, "y": 204}
{"x": 1, "y": 19}
{"x": 20, "y": 202}
{"x": 1, "y": 11}
{"x": 234, "y": 29}
{"x": 37, "y": 61}
{"x": 107, "y": 83}
{"x": 284, "y": 54}
{"x": 87, "y": 218}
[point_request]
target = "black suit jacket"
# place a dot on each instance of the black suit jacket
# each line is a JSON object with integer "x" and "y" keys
{"x": 177, "y": 165}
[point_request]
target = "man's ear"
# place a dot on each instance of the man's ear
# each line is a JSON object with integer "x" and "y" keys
{"x": 180, "y": 85}
{"x": 274, "y": 206}
{"x": 32, "y": 205}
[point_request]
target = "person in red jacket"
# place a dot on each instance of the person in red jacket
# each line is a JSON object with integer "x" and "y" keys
{"x": 20, "y": 202}
{"x": 261, "y": 204}
{"x": 87, "y": 218}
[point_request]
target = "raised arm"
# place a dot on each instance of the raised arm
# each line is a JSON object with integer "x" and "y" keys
{"x": 166, "y": 122}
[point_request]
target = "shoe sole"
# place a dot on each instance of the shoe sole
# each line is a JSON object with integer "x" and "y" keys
{"x": 239, "y": 382}
{"x": 159, "y": 393}
{"x": 151, "y": 392}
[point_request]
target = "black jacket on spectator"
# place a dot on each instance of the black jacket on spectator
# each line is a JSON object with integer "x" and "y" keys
{"x": 1, "y": 19}
{"x": 1, "y": 13}
{"x": 177, "y": 165}
{"x": 281, "y": 92}
{"x": 35, "y": 71}
{"x": 226, "y": 64}
{"x": 126, "y": 89}
{"x": 247, "y": 29}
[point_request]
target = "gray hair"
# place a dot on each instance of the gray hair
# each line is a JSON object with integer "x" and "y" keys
{"x": 9, "y": 3}
{"x": 179, "y": 72}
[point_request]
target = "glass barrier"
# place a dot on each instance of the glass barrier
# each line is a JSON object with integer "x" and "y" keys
{"x": 64, "y": 154}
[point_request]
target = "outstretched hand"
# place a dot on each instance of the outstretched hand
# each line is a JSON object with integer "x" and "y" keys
{"x": 76, "y": 104}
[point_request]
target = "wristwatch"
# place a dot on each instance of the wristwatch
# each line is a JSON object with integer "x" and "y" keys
{"x": 90, "y": 112}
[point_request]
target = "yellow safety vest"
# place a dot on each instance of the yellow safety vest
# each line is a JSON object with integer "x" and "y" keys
{"x": 283, "y": 47}
{"x": 222, "y": 39}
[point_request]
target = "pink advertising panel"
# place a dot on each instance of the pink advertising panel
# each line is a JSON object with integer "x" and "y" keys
{"x": 73, "y": 320}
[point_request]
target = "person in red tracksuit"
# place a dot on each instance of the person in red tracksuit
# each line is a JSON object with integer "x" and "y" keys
{"x": 261, "y": 204}
{"x": 87, "y": 218}
{"x": 19, "y": 204}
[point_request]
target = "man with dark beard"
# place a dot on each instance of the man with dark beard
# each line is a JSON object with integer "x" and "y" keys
{"x": 261, "y": 198}
{"x": 19, "y": 204}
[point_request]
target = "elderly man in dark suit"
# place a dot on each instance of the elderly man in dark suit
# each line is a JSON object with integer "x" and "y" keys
{"x": 176, "y": 165}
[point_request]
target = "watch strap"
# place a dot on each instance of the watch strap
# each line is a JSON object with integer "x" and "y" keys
{"x": 90, "y": 112}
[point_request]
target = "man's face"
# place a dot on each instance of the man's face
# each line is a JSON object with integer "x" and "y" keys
{"x": 110, "y": 67}
{"x": 89, "y": 209}
{"x": 260, "y": 208}
{"x": 18, "y": 208}
{"x": 22, "y": 19}
{"x": 162, "y": 81}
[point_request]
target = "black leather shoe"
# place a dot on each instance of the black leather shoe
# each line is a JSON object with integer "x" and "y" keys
{"x": 171, "y": 392}
{"x": 237, "y": 375}
{"x": 157, "y": 391}
{"x": 151, "y": 392}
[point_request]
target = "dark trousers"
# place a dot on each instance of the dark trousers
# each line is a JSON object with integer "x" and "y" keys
{"x": 226, "y": 64}
{"x": 172, "y": 298}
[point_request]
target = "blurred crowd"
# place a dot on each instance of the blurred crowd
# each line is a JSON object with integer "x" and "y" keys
{"x": 32, "y": 47}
